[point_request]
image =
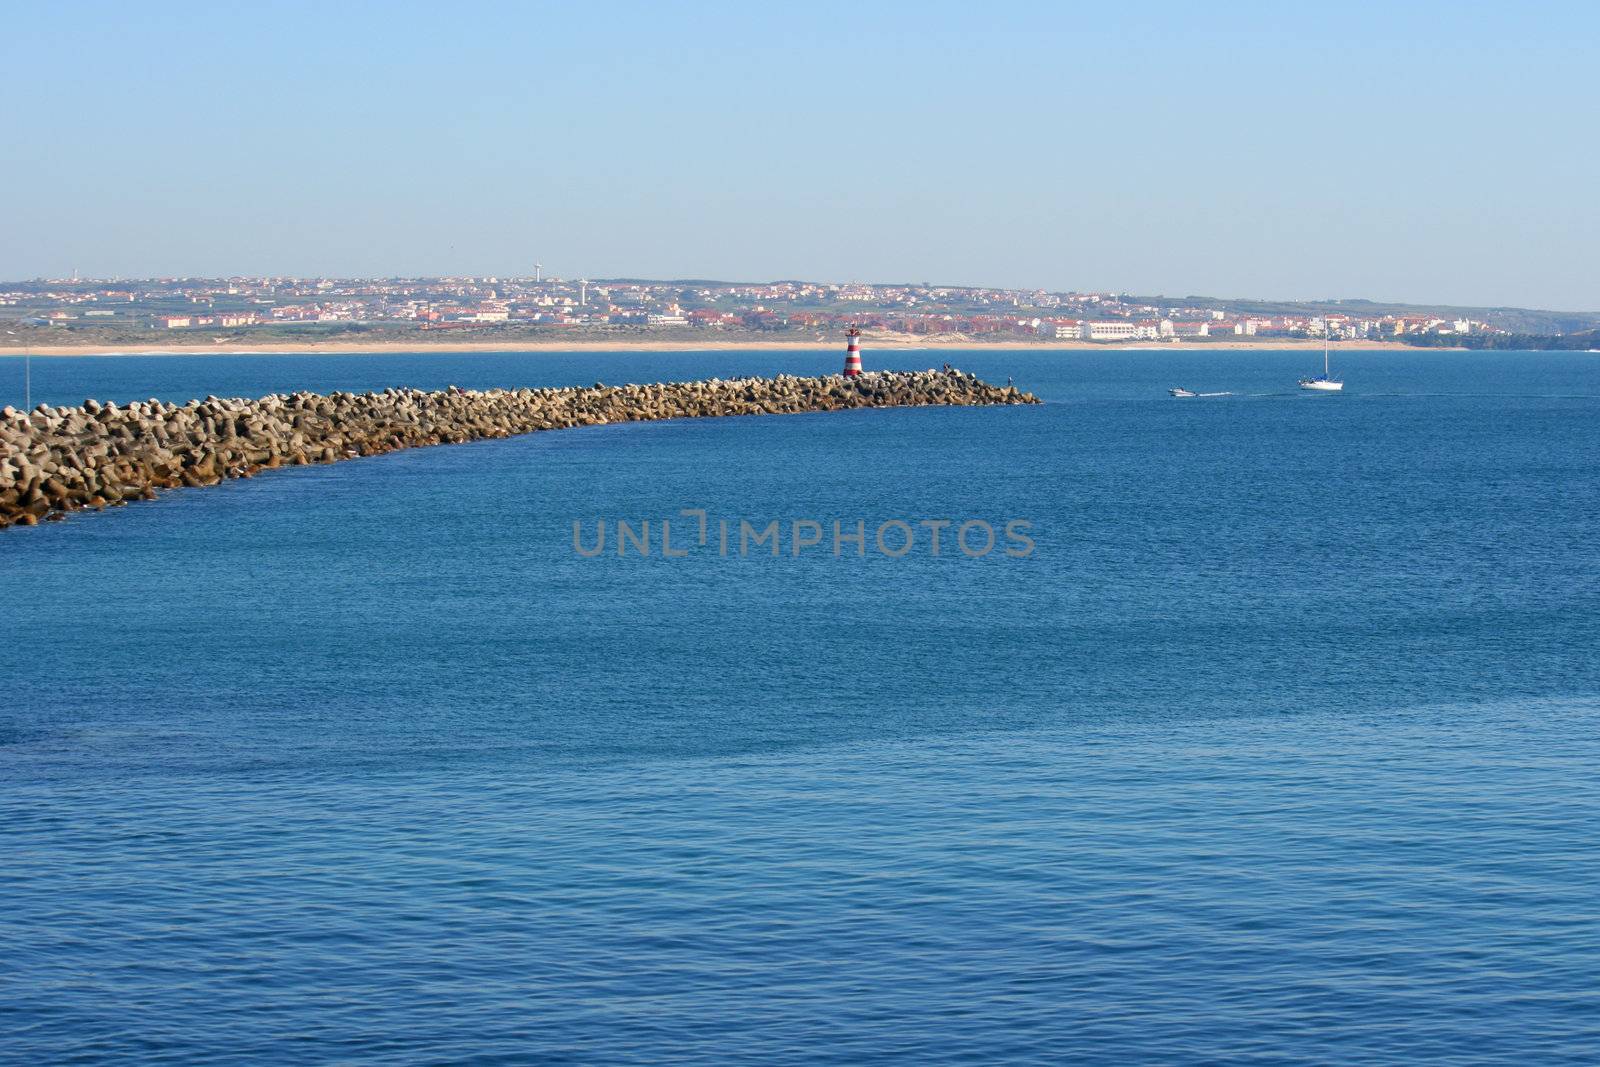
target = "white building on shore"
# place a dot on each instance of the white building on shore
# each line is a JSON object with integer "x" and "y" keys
{"x": 1118, "y": 330}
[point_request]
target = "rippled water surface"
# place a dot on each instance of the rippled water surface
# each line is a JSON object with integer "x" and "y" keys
{"x": 1283, "y": 746}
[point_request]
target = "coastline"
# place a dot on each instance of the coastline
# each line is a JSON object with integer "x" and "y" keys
{"x": 576, "y": 345}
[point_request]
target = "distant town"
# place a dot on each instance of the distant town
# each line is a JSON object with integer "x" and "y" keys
{"x": 199, "y": 311}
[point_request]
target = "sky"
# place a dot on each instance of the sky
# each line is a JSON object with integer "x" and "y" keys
{"x": 1421, "y": 152}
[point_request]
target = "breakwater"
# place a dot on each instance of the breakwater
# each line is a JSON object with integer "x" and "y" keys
{"x": 58, "y": 459}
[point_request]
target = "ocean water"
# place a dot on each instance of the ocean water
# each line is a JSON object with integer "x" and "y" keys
{"x": 1281, "y": 746}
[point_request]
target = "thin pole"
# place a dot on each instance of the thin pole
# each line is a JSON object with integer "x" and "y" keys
{"x": 27, "y": 374}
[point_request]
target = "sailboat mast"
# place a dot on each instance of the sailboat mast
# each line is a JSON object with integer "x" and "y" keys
{"x": 1327, "y": 329}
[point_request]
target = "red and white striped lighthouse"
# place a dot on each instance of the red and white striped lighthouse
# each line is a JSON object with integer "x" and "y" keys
{"x": 852, "y": 353}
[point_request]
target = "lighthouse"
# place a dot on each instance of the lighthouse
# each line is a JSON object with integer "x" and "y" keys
{"x": 852, "y": 353}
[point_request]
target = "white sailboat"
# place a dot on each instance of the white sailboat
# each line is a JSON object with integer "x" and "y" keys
{"x": 1324, "y": 384}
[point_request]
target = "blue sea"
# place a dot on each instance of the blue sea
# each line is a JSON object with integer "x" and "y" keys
{"x": 1282, "y": 745}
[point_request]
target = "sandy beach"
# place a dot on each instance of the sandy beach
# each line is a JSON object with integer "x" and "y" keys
{"x": 881, "y": 343}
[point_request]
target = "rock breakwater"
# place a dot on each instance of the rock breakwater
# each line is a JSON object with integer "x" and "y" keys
{"x": 57, "y": 459}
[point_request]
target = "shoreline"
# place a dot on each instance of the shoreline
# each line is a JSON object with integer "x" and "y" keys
{"x": 868, "y": 342}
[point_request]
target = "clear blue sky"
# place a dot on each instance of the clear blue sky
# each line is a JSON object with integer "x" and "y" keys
{"x": 1415, "y": 151}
